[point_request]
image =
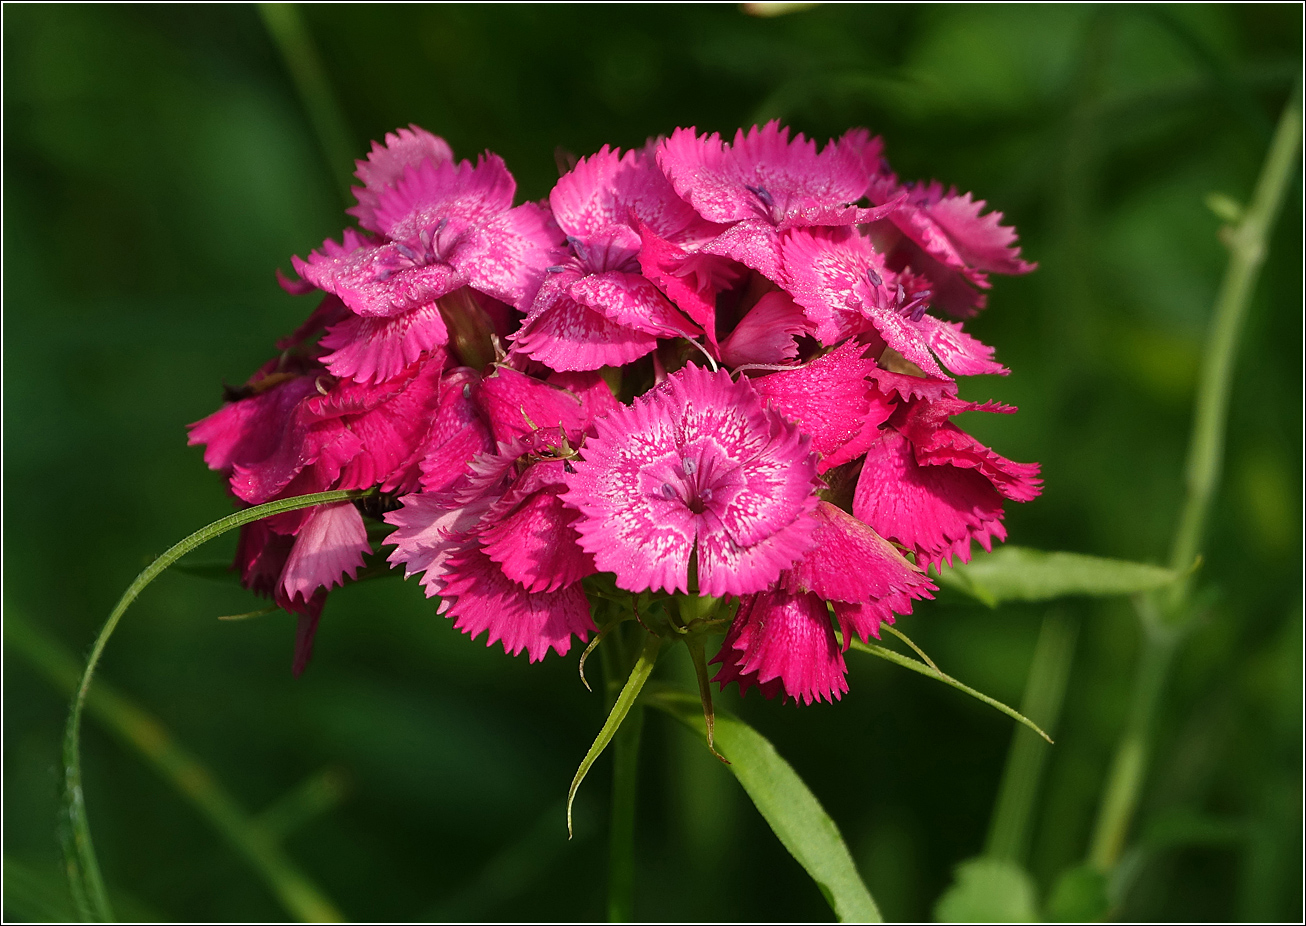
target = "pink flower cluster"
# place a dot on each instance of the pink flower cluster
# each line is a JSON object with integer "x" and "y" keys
{"x": 701, "y": 368}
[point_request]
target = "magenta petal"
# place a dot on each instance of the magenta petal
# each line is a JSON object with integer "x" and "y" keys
{"x": 630, "y": 300}
{"x": 608, "y": 188}
{"x": 565, "y": 335}
{"x": 825, "y": 271}
{"x": 690, "y": 279}
{"x": 777, "y": 636}
{"x": 376, "y": 349}
{"x": 537, "y": 545}
{"x": 507, "y": 255}
{"x": 458, "y": 433}
{"x": 330, "y": 544}
{"x": 768, "y": 333}
{"x": 516, "y": 404}
{"x": 937, "y": 441}
{"x": 392, "y": 433}
{"x": 484, "y": 599}
{"x": 385, "y": 166}
{"x": 852, "y": 563}
{"x": 933, "y": 510}
{"x": 754, "y": 243}
{"x": 591, "y": 388}
{"x": 252, "y": 429}
{"x": 459, "y": 194}
{"x": 764, "y": 174}
{"x": 956, "y": 350}
{"x": 863, "y": 619}
{"x": 428, "y": 532}
{"x": 831, "y": 401}
{"x": 378, "y": 280}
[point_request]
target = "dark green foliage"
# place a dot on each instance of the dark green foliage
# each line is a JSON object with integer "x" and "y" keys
{"x": 158, "y": 166}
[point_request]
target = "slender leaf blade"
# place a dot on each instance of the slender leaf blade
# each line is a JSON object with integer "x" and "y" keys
{"x": 785, "y": 802}
{"x": 625, "y": 701}
{"x": 908, "y": 663}
{"x": 1021, "y": 574}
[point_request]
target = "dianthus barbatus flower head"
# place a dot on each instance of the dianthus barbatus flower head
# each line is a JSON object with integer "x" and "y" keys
{"x": 699, "y": 469}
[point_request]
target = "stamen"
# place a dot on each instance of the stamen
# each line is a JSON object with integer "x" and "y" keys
{"x": 874, "y": 277}
{"x": 690, "y": 466}
{"x": 761, "y": 193}
{"x": 668, "y": 490}
{"x": 405, "y": 250}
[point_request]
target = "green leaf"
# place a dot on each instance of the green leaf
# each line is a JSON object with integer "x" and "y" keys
{"x": 1019, "y": 574}
{"x": 791, "y": 810}
{"x": 1080, "y": 896}
{"x": 638, "y": 676}
{"x": 989, "y": 890}
{"x": 932, "y": 672}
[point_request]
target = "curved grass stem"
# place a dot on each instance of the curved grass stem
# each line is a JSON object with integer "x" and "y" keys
{"x": 79, "y": 852}
{"x": 135, "y": 727}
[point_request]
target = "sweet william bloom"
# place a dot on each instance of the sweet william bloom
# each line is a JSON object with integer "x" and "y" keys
{"x": 437, "y": 227}
{"x": 845, "y": 286}
{"x": 933, "y": 488}
{"x": 500, "y": 549}
{"x": 596, "y": 308}
{"x": 782, "y": 640}
{"x": 945, "y": 237}
{"x": 695, "y": 467}
{"x": 765, "y": 183}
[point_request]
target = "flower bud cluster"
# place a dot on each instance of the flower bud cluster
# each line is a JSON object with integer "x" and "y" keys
{"x": 698, "y": 368}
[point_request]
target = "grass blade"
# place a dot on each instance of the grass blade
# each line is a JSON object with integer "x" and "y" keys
{"x": 79, "y": 852}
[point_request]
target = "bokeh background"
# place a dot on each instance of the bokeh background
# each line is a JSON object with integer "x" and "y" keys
{"x": 159, "y": 164}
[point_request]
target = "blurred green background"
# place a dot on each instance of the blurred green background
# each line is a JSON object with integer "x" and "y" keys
{"x": 159, "y": 163}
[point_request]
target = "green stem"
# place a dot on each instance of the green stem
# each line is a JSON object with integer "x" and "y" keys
{"x": 621, "y": 852}
{"x": 144, "y": 733}
{"x": 1044, "y": 692}
{"x": 286, "y": 26}
{"x": 1248, "y": 242}
{"x": 1129, "y": 766}
{"x": 79, "y": 852}
{"x": 1165, "y": 612}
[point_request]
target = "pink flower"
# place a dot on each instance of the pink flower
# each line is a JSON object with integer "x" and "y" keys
{"x": 846, "y": 288}
{"x": 933, "y": 488}
{"x": 597, "y": 309}
{"x": 944, "y": 237}
{"x": 764, "y": 183}
{"x": 385, "y": 167}
{"x": 439, "y": 226}
{"x": 501, "y": 551}
{"x": 298, "y": 431}
{"x": 696, "y": 464}
{"x": 782, "y": 640}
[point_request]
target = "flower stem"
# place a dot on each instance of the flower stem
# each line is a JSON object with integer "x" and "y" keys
{"x": 79, "y": 852}
{"x": 621, "y": 858}
{"x": 1044, "y": 692}
{"x": 625, "y": 743}
{"x": 1166, "y": 612}
{"x": 254, "y": 838}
